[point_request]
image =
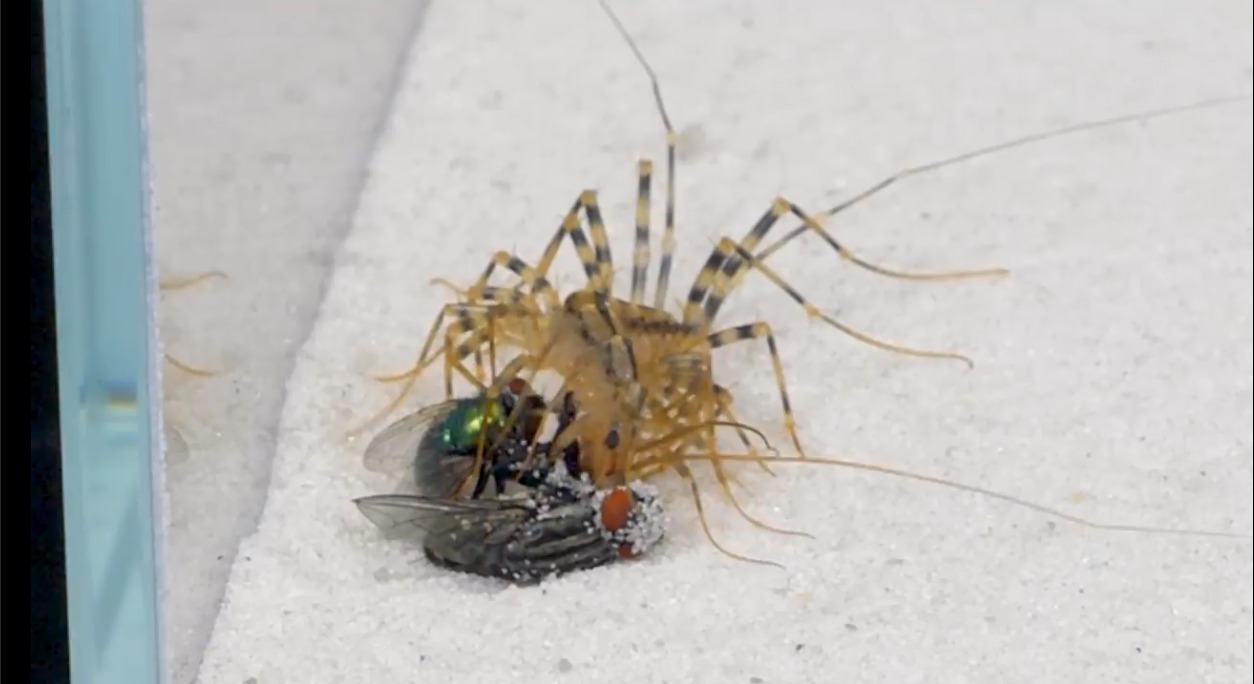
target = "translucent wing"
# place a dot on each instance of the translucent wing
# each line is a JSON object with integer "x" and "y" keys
{"x": 508, "y": 538}
{"x": 554, "y": 530}
{"x": 418, "y": 518}
{"x": 392, "y": 451}
{"x": 176, "y": 449}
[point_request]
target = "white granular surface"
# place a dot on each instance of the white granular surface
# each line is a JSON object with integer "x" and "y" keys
{"x": 1113, "y": 369}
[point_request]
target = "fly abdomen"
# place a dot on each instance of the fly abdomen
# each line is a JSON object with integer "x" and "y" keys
{"x": 558, "y": 541}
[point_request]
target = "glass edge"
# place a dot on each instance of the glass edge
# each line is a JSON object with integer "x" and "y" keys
{"x": 79, "y": 110}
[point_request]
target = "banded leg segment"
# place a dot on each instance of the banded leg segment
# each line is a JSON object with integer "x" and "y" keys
{"x": 481, "y": 292}
{"x": 668, "y": 234}
{"x": 596, "y": 258}
{"x": 762, "y": 331}
{"x": 668, "y": 237}
{"x": 732, "y": 268}
{"x": 727, "y": 249}
{"x": 477, "y": 321}
{"x": 527, "y": 275}
{"x": 640, "y": 256}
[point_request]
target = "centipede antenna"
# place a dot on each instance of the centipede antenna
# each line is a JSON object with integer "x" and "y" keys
{"x": 943, "y": 482}
{"x": 1001, "y": 147}
{"x": 668, "y": 237}
{"x": 631, "y": 43}
{"x": 1037, "y": 137}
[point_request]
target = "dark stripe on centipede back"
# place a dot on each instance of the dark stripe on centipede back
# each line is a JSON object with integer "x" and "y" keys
{"x": 656, "y": 327}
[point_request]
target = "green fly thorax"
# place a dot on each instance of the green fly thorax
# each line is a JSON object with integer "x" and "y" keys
{"x": 460, "y": 431}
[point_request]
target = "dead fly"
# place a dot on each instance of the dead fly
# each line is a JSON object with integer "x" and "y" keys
{"x": 435, "y": 451}
{"x": 555, "y": 522}
{"x": 558, "y": 526}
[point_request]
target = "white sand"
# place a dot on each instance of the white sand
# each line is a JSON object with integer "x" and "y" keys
{"x": 262, "y": 118}
{"x": 1113, "y": 378}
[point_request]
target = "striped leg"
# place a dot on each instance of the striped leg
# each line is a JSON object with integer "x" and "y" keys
{"x": 640, "y": 256}
{"x": 808, "y": 223}
{"x": 668, "y": 237}
{"x": 714, "y": 281}
{"x": 727, "y": 269}
{"x": 762, "y": 331}
{"x": 597, "y": 260}
{"x": 528, "y": 276}
{"x": 478, "y": 322}
{"x": 504, "y": 301}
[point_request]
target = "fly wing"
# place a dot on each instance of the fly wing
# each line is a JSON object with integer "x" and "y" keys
{"x": 522, "y": 540}
{"x": 176, "y": 449}
{"x": 419, "y": 518}
{"x": 392, "y": 452}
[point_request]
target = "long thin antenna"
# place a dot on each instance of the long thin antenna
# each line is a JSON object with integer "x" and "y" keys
{"x": 1000, "y": 147}
{"x": 668, "y": 237}
{"x": 631, "y": 43}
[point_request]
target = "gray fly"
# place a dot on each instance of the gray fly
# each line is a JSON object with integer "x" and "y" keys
{"x": 560, "y": 525}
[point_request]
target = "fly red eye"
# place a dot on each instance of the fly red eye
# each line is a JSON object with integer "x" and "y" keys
{"x": 615, "y": 508}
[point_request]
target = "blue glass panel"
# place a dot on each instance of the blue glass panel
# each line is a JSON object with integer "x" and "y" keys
{"x": 104, "y": 334}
